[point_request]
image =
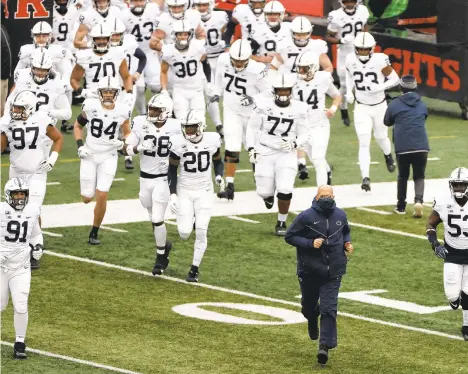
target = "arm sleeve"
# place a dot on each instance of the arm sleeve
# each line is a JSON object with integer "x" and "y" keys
{"x": 392, "y": 80}
{"x": 62, "y": 109}
{"x": 295, "y": 234}
{"x": 172, "y": 175}
{"x": 141, "y": 56}
{"x": 255, "y": 46}
{"x": 229, "y": 32}
{"x": 207, "y": 69}
{"x": 253, "y": 127}
{"x": 333, "y": 91}
{"x": 218, "y": 164}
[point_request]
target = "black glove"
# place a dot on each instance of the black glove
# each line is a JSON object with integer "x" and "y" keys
{"x": 214, "y": 99}
{"x": 220, "y": 131}
{"x": 440, "y": 251}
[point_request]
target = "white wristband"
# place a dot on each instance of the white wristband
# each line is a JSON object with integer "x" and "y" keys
{"x": 333, "y": 108}
{"x": 53, "y": 158}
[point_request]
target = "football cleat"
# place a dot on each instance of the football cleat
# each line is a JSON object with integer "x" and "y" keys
{"x": 129, "y": 164}
{"x": 269, "y": 201}
{"x": 303, "y": 173}
{"x": 66, "y": 127}
{"x": 345, "y": 117}
{"x": 399, "y": 210}
{"x": 280, "y": 228}
{"x": 390, "y": 163}
{"x": 228, "y": 193}
{"x": 365, "y": 185}
{"x": 455, "y": 304}
{"x": 93, "y": 239}
{"x": 192, "y": 274}
{"x": 464, "y": 331}
{"x": 322, "y": 355}
{"x": 19, "y": 351}
{"x": 418, "y": 210}
{"x": 162, "y": 260}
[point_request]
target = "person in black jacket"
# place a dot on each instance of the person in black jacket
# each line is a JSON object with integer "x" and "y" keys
{"x": 6, "y": 62}
{"x": 408, "y": 113}
{"x": 322, "y": 238}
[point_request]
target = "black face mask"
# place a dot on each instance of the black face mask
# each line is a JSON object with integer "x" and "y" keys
{"x": 326, "y": 204}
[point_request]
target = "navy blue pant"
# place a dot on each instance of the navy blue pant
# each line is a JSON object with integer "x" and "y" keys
{"x": 314, "y": 288}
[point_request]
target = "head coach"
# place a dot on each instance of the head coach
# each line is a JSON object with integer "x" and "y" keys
{"x": 322, "y": 238}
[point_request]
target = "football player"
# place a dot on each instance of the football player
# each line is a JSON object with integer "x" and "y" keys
{"x": 369, "y": 74}
{"x": 141, "y": 20}
{"x": 101, "y": 13}
{"x": 65, "y": 18}
{"x": 248, "y": 16}
{"x": 19, "y": 242}
{"x": 214, "y": 23}
{"x": 312, "y": 87}
{"x": 238, "y": 79}
{"x": 343, "y": 26}
{"x": 99, "y": 62}
{"x": 103, "y": 119}
{"x": 183, "y": 57}
{"x": 192, "y": 192}
{"x": 150, "y": 138}
{"x": 450, "y": 208}
{"x": 278, "y": 126}
{"x": 25, "y": 130}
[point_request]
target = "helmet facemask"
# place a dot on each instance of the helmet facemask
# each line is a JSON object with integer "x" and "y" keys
{"x": 239, "y": 65}
{"x": 137, "y": 7}
{"x": 193, "y": 132}
{"x": 283, "y": 96}
{"x": 102, "y": 6}
{"x": 205, "y": 10}
{"x": 273, "y": 19}
{"x": 17, "y": 199}
{"x": 117, "y": 39}
{"x": 307, "y": 72}
{"x": 40, "y": 75}
{"x": 301, "y": 39}
{"x": 177, "y": 11}
{"x": 257, "y": 6}
{"x": 157, "y": 115}
{"x": 19, "y": 112}
{"x": 108, "y": 96}
{"x": 101, "y": 44}
{"x": 42, "y": 40}
{"x": 459, "y": 188}
{"x": 182, "y": 39}
{"x": 349, "y": 6}
{"x": 364, "y": 54}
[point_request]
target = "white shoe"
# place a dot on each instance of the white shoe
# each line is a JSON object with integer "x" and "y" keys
{"x": 418, "y": 210}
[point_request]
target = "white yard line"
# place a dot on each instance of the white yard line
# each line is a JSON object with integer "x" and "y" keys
{"x": 254, "y": 296}
{"x": 433, "y": 159}
{"x": 243, "y": 219}
{"x": 396, "y": 232}
{"x": 119, "y": 179}
{"x": 384, "y": 213}
{"x": 372, "y": 163}
{"x": 112, "y": 229}
{"x": 170, "y": 222}
{"x": 73, "y": 359}
{"x": 52, "y": 183}
{"x": 244, "y": 171}
{"x": 52, "y": 234}
{"x": 429, "y": 205}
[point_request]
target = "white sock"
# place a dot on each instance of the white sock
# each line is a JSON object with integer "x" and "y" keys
{"x": 301, "y": 161}
{"x": 364, "y": 155}
{"x": 328, "y": 167}
{"x": 160, "y": 235}
{"x": 21, "y": 324}
{"x": 465, "y": 317}
{"x": 201, "y": 242}
{"x": 344, "y": 103}
{"x": 385, "y": 145}
{"x": 140, "y": 103}
{"x": 229, "y": 179}
{"x": 128, "y": 158}
{"x": 320, "y": 171}
{"x": 282, "y": 217}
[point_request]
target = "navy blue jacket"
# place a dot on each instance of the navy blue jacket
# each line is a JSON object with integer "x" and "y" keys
{"x": 408, "y": 114}
{"x": 328, "y": 261}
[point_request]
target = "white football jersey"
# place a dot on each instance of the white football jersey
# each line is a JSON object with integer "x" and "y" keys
{"x": 99, "y": 66}
{"x": 290, "y": 52}
{"x": 27, "y": 140}
{"x": 142, "y": 26}
{"x": 247, "y": 19}
{"x": 64, "y": 26}
{"x": 16, "y": 227}
{"x": 270, "y": 41}
{"x": 91, "y": 17}
{"x": 196, "y": 160}
{"x": 56, "y": 52}
{"x": 365, "y": 74}
{"x": 129, "y": 47}
{"x": 157, "y": 161}
{"x": 313, "y": 92}
{"x": 270, "y": 125}
{"x": 46, "y": 93}
{"x": 232, "y": 84}
{"x": 185, "y": 65}
{"x": 214, "y": 35}
{"x": 103, "y": 125}
{"x": 166, "y": 23}
{"x": 343, "y": 24}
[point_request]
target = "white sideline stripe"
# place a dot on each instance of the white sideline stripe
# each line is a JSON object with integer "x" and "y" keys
{"x": 73, "y": 359}
{"x": 119, "y": 179}
{"x": 372, "y": 163}
{"x": 396, "y": 232}
{"x": 243, "y": 219}
{"x": 244, "y": 171}
{"x": 433, "y": 159}
{"x": 296, "y": 213}
{"x": 375, "y": 211}
{"x": 112, "y": 229}
{"x": 429, "y": 205}
{"x": 170, "y": 222}
{"x": 52, "y": 234}
{"x": 52, "y": 183}
{"x": 248, "y": 294}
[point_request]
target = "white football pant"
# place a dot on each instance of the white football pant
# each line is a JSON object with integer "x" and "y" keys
{"x": 97, "y": 172}
{"x": 455, "y": 280}
{"x": 276, "y": 171}
{"x": 235, "y": 128}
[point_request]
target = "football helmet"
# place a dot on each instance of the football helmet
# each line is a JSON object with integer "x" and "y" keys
{"x": 193, "y": 125}
{"x": 159, "y": 109}
{"x": 364, "y": 45}
{"x": 301, "y": 30}
{"x": 458, "y": 183}
{"x": 101, "y": 6}
{"x": 307, "y": 65}
{"x": 183, "y": 34}
{"x": 177, "y": 8}
{"x": 274, "y": 13}
{"x": 240, "y": 53}
{"x": 282, "y": 87}
{"x": 41, "y": 63}
{"x": 61, "y": 6}
{"x": 205, "y": 7}
{"x": 349, "y": 6}
{"x": 257, "y": 6}
{"x": 101, "y": 36}
{"x": 108, "y": 90}
{"x": 24, "y": 104}
{"x": 14, "y": 187}
{"x": 137, "y": 7}
{"x": 41, "y": 34}
{"x": 117, "y": 33}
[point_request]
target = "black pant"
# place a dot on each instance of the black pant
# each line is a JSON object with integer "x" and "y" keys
{"x": 314, "y": 288}
{"x": 418, "y": 161}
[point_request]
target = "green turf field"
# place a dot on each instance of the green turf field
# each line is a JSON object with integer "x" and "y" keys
{"x": 109, "y": 309}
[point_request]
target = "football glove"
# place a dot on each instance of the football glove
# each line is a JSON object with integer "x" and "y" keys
{"x": 252, "y": 156}
{"x": 146, "y": 145}
{"x": 45, "y": 166}
{"x": 37, "y": 252}
{"x": 165, "y": 92}
{"x": 87, "y": 94}
{"x": 288, "y": 145}
{"x": 220, "y": 131}
{"x": 118, "y": 144}
{"x": 440, "y": 251}
{"x": 246, "y": 100}
{"x": 174, "y": 203}
{"x": 129, "y": 99}
{"x": 83, "y": 152}
{"x": 214, "y": 99}
{"x": 220, "y": 182}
